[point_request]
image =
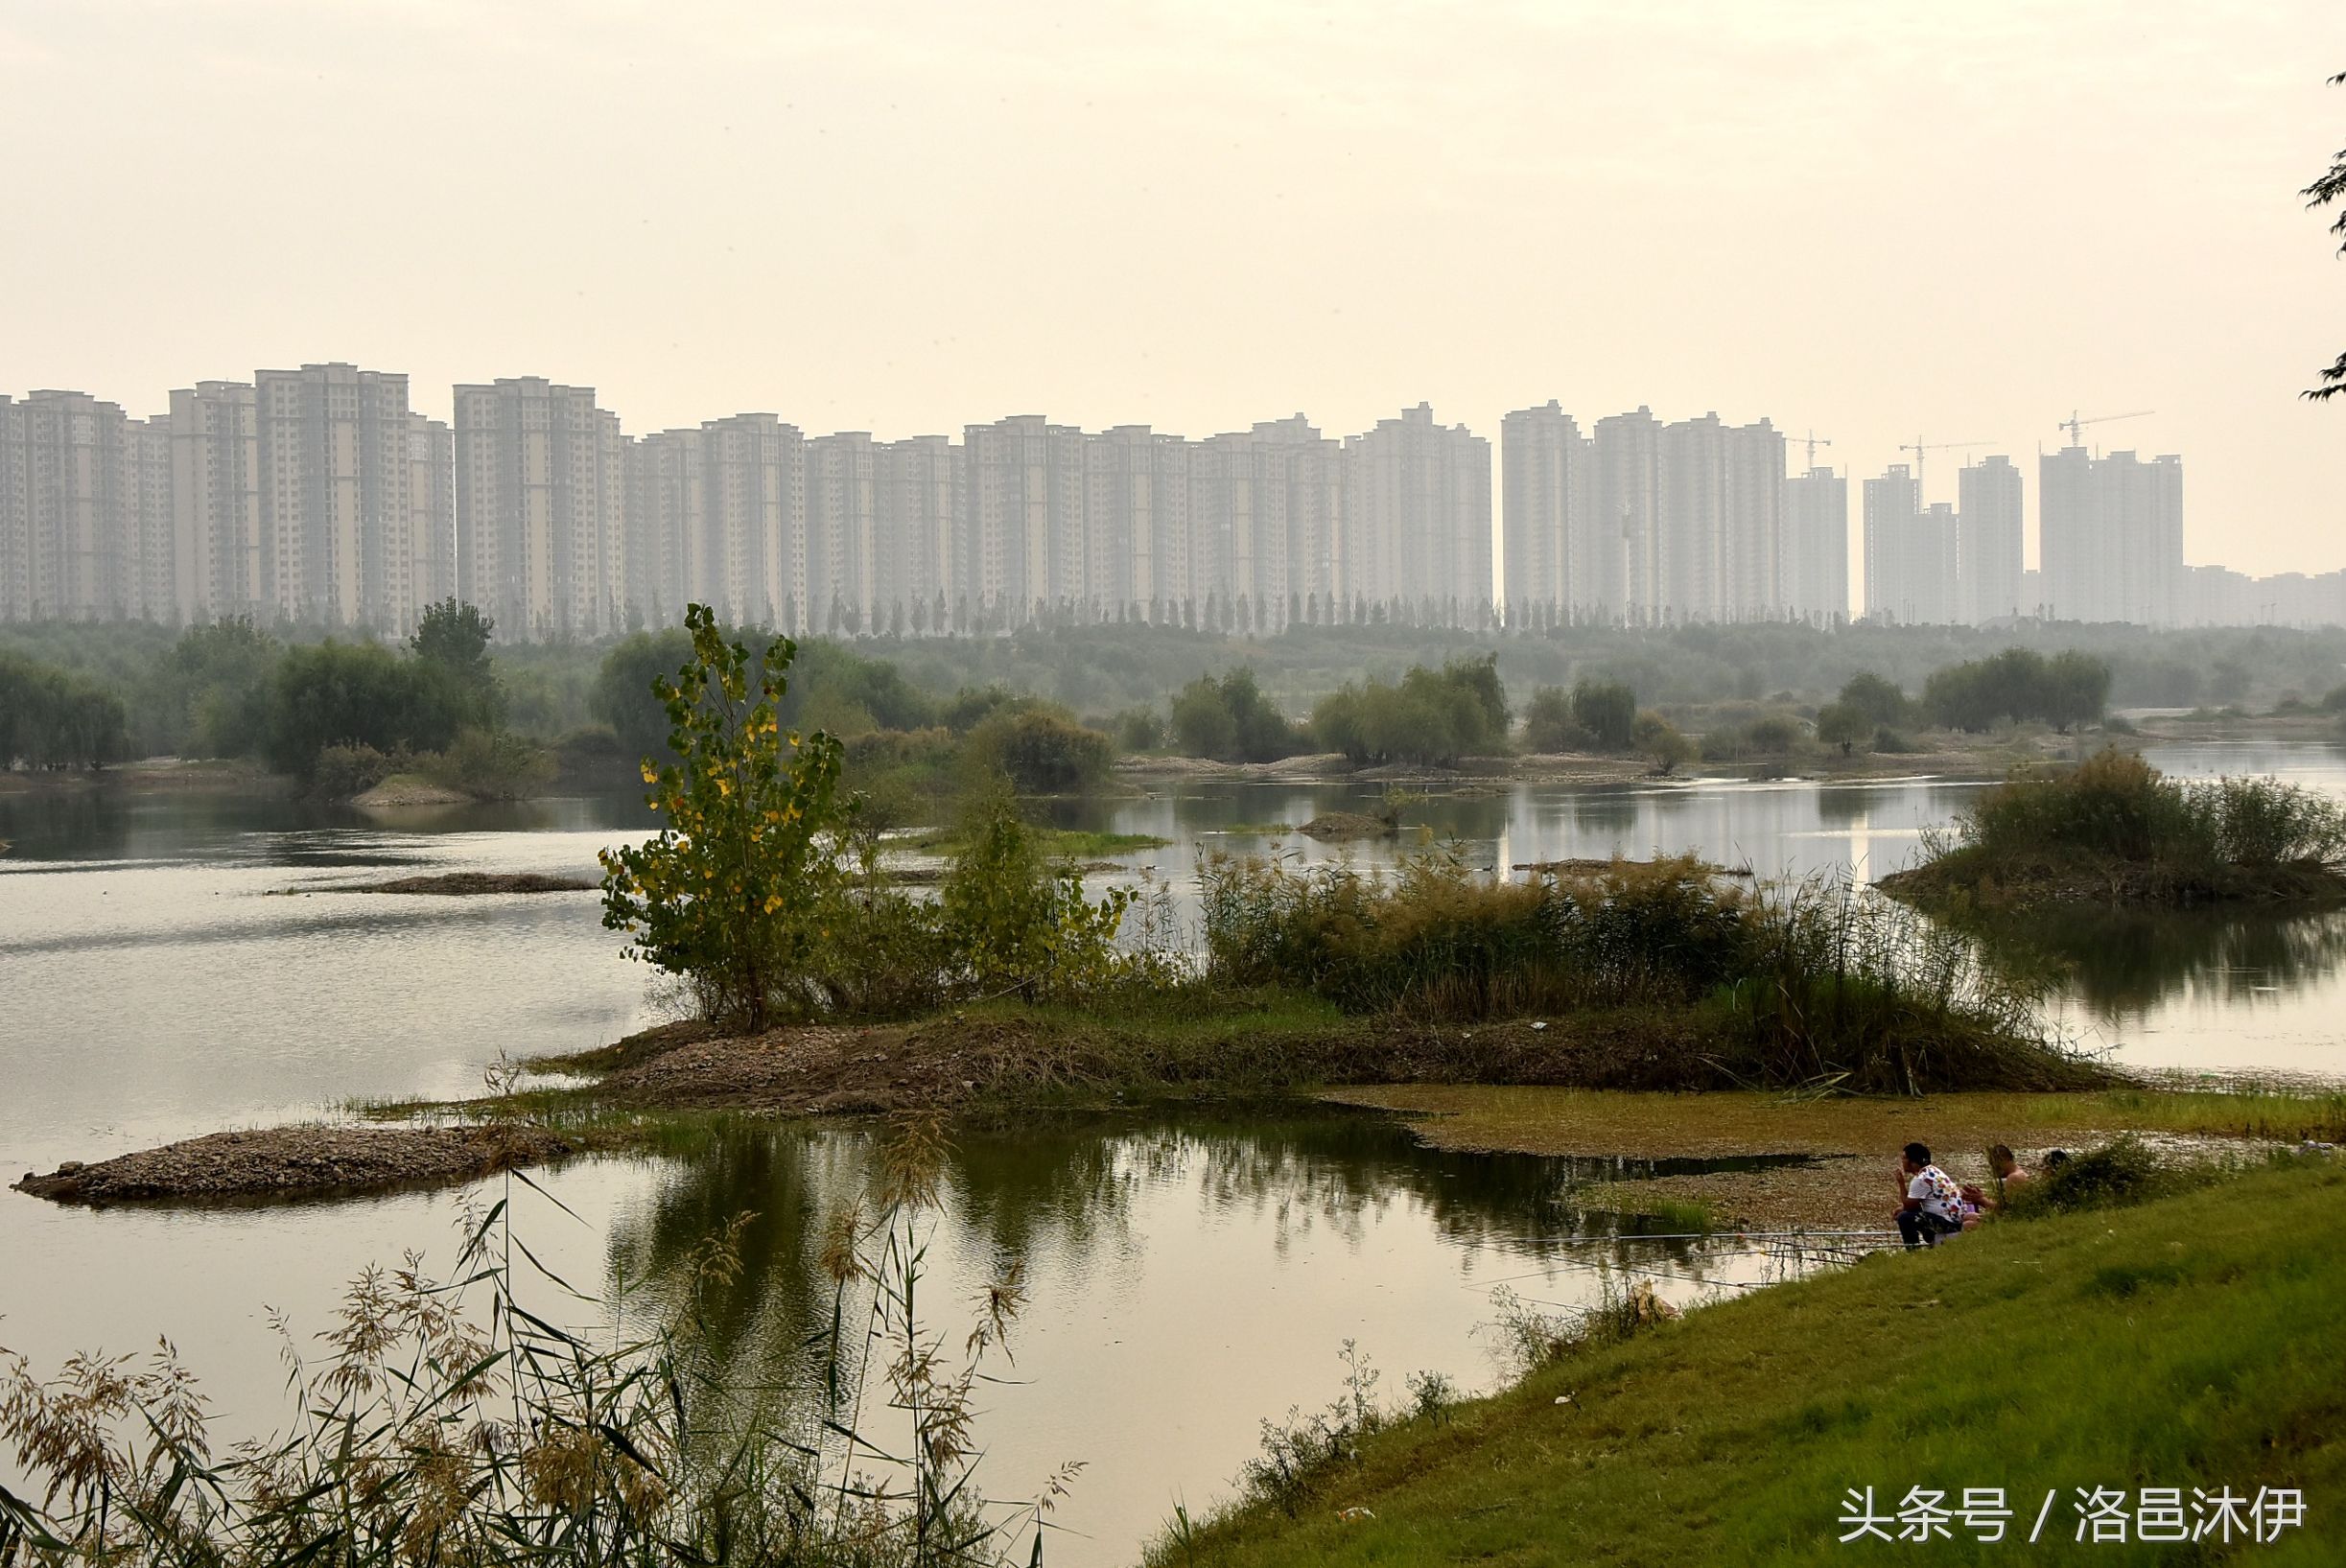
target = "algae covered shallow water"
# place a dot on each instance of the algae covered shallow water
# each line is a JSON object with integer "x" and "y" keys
{"x": 177, "y": 964}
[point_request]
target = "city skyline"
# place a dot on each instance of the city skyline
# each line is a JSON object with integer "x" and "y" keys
{"x": 319, "y": 494}
{"x": 900, "y": 218}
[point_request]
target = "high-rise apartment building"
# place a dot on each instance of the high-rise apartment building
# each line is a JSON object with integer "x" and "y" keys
{"x": 1718, "y": 543}
{"x": 540, "y": 504}
{"x": 431, "y": 513}
{"x": 1021, "y": 517}
{"x": 79, "y": 538}
{"x": 1548, "y": 511}
{"x": 1135, "y": 496}
{"x": 842, "y": 531}
{"x": 332, "y": 441}
{"x": 1987, "y": 546}
{"x": 216, "y": 502}
{"x": 149, "y": 459}
{"x": 1816, "y": 564}
{"x": 1893, "y": 509}
{"x": 1266, "y": 516}
{"x": 1643, "y": 521}
{"x": 918, "y": 505}
{"x": 1416, "y": 532}
{"x": 1624, "y": 572}
{"x": 2110, "y": 536}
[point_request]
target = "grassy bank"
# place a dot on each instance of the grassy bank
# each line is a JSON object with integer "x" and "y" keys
{"x": 2115, "y": 830}
{"x": 1852, "y": 1141}
{"x": 2190, "y": 1343}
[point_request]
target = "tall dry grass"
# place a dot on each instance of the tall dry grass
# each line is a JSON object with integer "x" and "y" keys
{"x": 1812, "y": 983}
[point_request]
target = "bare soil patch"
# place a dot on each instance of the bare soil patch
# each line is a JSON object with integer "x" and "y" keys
{"x": 298, "y": 1161}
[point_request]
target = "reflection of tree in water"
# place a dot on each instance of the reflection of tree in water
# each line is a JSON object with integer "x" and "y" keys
{"x": 1838, "y": 805}
{"x": 2121, "y": 963}
{"x": 791, "y": 1179}
{"x": 1065, "y": 1198}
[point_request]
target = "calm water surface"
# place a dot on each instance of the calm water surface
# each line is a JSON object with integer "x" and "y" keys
{"x": 174, "y": 965}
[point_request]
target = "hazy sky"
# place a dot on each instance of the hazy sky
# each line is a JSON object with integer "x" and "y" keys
{"x": 1876, "y": 219}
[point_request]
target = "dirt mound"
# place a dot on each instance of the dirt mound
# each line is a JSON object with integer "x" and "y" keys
{"x": 465, "y": 883}
{"x": 297, "y": 1162}
{"x": 950, "y": 1062}
{"x": 1335, "y": 825}
{"x": 410, "y": 789}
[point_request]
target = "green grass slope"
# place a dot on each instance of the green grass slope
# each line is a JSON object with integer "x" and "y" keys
{"x": 2193, "y": 1342}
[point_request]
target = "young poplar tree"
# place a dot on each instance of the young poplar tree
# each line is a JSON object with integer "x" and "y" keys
{"x": 734, "y": 890}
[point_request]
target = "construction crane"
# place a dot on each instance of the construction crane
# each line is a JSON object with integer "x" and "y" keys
{"x": 1813, "y": 441}
{"x": 2074, "y": 425}
{"x": 1919, "y": 448}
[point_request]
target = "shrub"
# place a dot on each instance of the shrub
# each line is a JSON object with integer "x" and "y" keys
{"x": 362, "y": 694}
{"x": 1041, "y": 750}
{"x": 1819, "y": 982}
{"x": 1019, "y": 926}
{"x": 1431, "y": 716}
{"x": 1660, "y": 743}
{"x": 1548, "y": 723}
{"x": 2122, "y": 1172}
{"x": 1875, "y": 699}
{"x": 2115, "y": 825}
{"x": 1138, "y": 729}
{"x": 1846, "y": 726}
{"x": 341, "y": 772}
{"x": 1775, "y": 735}
{"x": 496, "y": 765}
{"x": 2067, "y": 689}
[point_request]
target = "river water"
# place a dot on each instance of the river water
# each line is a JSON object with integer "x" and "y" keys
{"x": 173, "y": 965}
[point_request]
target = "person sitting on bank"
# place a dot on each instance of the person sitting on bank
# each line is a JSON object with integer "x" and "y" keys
{"x": 1932, "y": 1205}
{"x": 2009, "y": 1172}
{"x": 1979, "y": 1202}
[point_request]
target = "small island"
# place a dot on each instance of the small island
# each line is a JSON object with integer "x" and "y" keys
{"x": 2115, "y": 830}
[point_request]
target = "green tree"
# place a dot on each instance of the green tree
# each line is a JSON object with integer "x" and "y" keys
{"x": 1846, "y": 725}
{"x": 453, "y": 638}
{"x": 626, "y": 692}
{"x": 1660, "y": 743}
{"x": 1548, "y": 723}
{"x": 1230, "y": 720}
{"x": 1608, "y": 709}
{"x": 359, "y": 694}
{"x": 732, "y": 892}
{"x": 211, "y": 691}
{"x": 1041, "y": 751}
{"x": 1877, "y": 700}
{"x": 53, "y": 719}
{"x": 1019, "y": 926}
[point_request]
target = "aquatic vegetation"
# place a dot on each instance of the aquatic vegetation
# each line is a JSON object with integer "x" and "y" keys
{"x": 1810, "y": 983}
{"x": 2115, "y": 829}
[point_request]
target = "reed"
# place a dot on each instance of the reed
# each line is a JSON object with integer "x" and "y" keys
{"x": 451, "y": 1421}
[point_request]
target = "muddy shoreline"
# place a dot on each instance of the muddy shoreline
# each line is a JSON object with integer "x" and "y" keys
{"x": 979, "y": 1065}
